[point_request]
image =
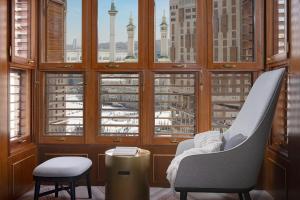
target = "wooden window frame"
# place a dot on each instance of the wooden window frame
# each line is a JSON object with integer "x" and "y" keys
{"x": 258, "y": 42}
{"x": 30, "y": 61}
{"x": 271, "y": 57}
{"x": 155, "y": 140}
{"x": 119, "y": 140}
{"x": 19, "y": 143}
{"x": 201, "y": 33}
{"x": 58, "y": 139}
{"x": 142, "y": 41}
{"x": 43, "y": 34}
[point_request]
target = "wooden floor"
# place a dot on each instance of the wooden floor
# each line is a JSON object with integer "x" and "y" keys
{"x": 155, "y": 194}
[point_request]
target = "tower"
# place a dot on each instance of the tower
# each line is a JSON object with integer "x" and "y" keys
{"x": 130, "y": 32}
{"x": 164, "y": 37}
{"x": 112, "y": 46}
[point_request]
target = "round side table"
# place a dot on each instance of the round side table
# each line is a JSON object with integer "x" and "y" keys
{"x": 127, "y": 176}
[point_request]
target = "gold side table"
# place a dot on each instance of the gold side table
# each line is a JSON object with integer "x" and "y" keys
{"x": 127, "y": 176}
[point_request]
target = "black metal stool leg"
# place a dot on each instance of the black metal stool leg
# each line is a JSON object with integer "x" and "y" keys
{"x": 241, "y": 196}
{"x": 72, "y": 188}
{"x": 183, "y": 195}
{"x": 37, "y": 189}
{"x": 88, "y": 184}
{"x": 247, "y": 196}
{"x": 56, "y": 189}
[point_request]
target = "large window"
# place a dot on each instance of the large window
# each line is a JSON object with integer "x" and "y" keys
{"x": 174, "y": 104}
{"x": 62, "y": 22}
{"x": 117, "y": 31}
{"x": 228, "y": 94}
{"x": 175, "y": 31}
{"x": 18, "y": 103}
{"x": 64, "y": 104}
{"x": 119, "y": 100}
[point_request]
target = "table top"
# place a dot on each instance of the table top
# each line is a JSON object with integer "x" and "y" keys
{"x": 140, "y": 153}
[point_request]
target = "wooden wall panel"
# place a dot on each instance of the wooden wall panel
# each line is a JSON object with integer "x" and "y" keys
{"x": 21, "y": 166}
{"x": 160, "y": 163}
{"x": 3, "y": 99}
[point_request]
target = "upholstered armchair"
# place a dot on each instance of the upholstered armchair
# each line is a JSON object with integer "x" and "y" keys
{"x": 234, "y": 170}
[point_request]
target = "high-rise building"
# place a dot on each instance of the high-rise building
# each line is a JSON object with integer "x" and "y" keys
{"x": 130, "y": 44}
{"x": 112, "y": 44}
{"x": 183, "y": 30}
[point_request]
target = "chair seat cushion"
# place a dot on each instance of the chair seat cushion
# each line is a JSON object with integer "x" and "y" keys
{"x": 63, "y": 167}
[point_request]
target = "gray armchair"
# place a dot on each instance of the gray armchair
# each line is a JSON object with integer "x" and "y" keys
{"x": 234, "y": 170}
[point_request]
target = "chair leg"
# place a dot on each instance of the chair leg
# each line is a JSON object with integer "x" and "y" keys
{"x": 56, "y": 190}
{"x": 72, "y": 188}
{"x": 183, "y": 195}
{"x": 241, "y": 196}
{"x": 88, "y": 184}
{"x": 37, "y": 189}
{"x": 247, "y": 196}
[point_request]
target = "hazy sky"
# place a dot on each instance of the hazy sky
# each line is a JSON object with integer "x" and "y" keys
{"x": 124, "y": 7}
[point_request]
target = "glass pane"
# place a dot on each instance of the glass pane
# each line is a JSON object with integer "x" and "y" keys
{"x": 119, "y": 104}
{"x": 22, "y": 28}
{"x": 233, "y": 30}
{"x": 175, "y": 31}
{"x": 174, "y": 104}
{"x": 280, "y": 26}
{"x": 64, "y": 93}
{"x": 17, "y": 103}
{"x": 63, "y": 25}
{"x": 229, "y": 91}
{"x": 117, "y": 31}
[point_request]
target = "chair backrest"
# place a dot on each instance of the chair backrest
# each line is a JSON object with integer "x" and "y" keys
{"x": 259, "y": 105}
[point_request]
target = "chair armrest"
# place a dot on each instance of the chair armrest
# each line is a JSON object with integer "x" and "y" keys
{"x": 221, "y": 170}
{"x": 184, "y": 145}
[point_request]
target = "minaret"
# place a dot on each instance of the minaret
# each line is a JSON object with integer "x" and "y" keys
{"x": 112, "y": 46}
{"x": 164, "y": 37}
{"x": 130, "y": 32}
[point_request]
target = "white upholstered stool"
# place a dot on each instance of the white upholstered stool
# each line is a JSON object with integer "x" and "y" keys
{"x": 61, "y": 170}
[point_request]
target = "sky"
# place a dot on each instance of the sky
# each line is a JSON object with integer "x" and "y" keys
{"x": 124, "y": 7}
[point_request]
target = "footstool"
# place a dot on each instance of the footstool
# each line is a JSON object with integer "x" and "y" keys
{"x": 62, "y": 170}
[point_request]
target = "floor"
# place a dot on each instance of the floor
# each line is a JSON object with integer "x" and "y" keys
{"x": 155, "y": 194}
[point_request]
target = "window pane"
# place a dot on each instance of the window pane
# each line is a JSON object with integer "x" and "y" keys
{"x": 280, "y": 24}
{"x": 64, "y": 93}
{"x": 117, "y": 31}
{"x": 63, "y": 25}
{"x": 229, "y": 91}
{"x": 119, "y": 104}
{"x": 233, "y": 30}
{"x": 174, "y": 104}
{"x": 22, "y": 28}
{"x": 17, "y": 103}
{"x": 175, "y": 31}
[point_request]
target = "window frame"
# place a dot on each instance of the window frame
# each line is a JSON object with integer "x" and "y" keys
{"x": 85, "y": 35}
{"x": 59, "y": 139}
{"x": 142, "y": 41}
{"x": 19, "y": 142}
{"x": 258, "y": 41}
{"x": 31, "y": 60}
{"x": 201, "y": 33}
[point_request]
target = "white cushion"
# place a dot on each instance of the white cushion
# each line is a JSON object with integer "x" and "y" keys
{"x": 63, "y": 167}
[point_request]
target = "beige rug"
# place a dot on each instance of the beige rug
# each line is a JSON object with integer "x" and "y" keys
{"x": 155, "y": 194}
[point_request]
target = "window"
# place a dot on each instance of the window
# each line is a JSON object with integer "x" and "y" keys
{"x": 119, "y": 100}
{"x": 229, "y": 91}
{"x": 117, "y": 31}
{"x": 18, "y": 104}
{"x": 64, "y": 104}
{"x": 177, "y": 15}
{"x": 233, "y": 21}
{"x": 174, "y": 104}
{"x": 62, "y": 25}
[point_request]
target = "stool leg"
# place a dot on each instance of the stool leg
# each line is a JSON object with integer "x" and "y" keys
{"x": 88, "y": 184}
{"x": 72, "y": 188}
{"x": 241, "y": 196}
{"x": 37, "y": 189}
{"x": 56, "y": 189}
{"x": 183, "y": 195}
